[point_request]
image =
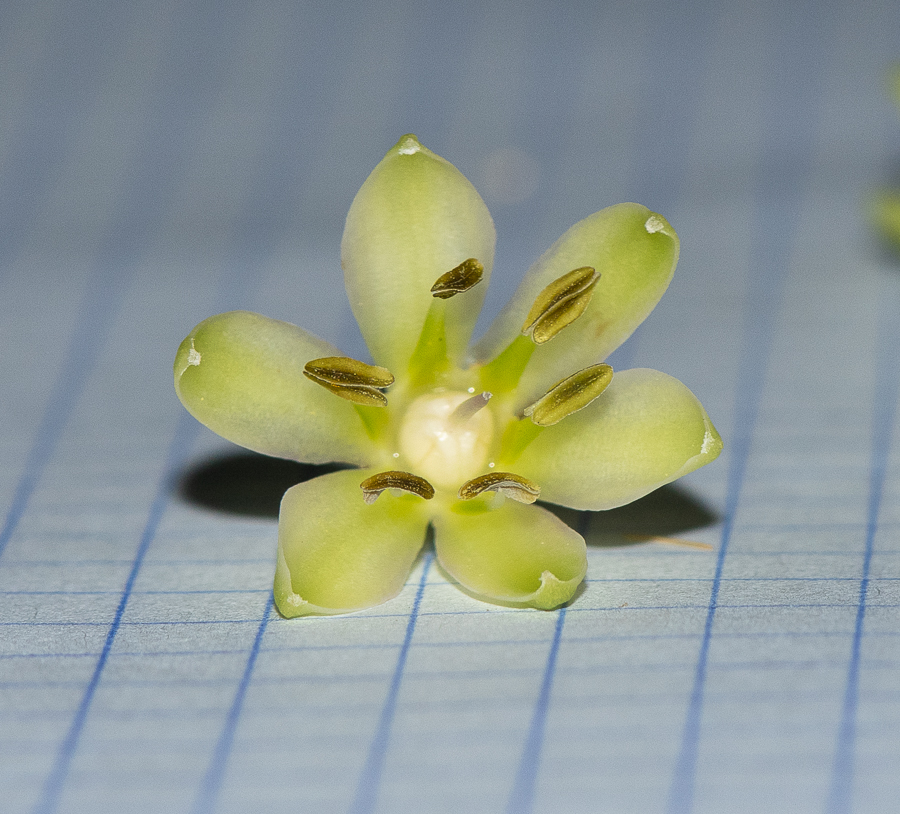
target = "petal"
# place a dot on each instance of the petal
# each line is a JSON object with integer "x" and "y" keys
{"x": 514, "y": 554}
{"x": 635, "y": 252}
{"x": 646, "y": 429}
{"x": 336, "y": 553}
{"x": 241, "y": 374}
{"x": 884, "y": 210}
{"x": 415, "y": 218}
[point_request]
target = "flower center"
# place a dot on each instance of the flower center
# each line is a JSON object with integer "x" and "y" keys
{"x": 444, "y": 444}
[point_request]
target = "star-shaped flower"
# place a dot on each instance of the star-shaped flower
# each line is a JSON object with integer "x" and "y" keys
{"x": 462, "y": 440}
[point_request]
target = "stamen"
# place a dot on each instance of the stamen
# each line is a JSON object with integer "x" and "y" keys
{"x": 570, "y": 395}
{"x": 350, "y": 379}
{"x": 560, "y": 304}
{"x": 504, "y": 483}
{"x": 516, "y": 438}
{"x": 503, "y": 373}
{"x": 655, "y": 538}
{"x": 469, "y": 407}
{"x": 394, "y": 479}
{"x": 465, "y": 276}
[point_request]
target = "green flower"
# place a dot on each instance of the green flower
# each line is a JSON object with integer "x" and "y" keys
{"x": 884, "y": 208}
{"x": 464, "y": 440}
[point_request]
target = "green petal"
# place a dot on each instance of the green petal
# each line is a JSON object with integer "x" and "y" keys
{"x": 635, "y": 251}
{"x": 884, "y": 209}
{"x": 415, "y": 218}
{"x": 241, "y": 374}
{"x": 894, "y": 84}
{"x": 337, "y": 554}
{"x": 646, "y": 429}
{"x": 514, "y": 554}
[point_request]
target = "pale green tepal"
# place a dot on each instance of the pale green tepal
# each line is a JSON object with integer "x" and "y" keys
{"x": 464, "y": 440}
{"x": 884, "y": 207}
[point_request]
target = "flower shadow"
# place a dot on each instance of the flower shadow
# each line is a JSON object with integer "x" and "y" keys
{"x": 251, "y": 485}
{"x": 244, "y": 483}
{"x": 666, "y": 513}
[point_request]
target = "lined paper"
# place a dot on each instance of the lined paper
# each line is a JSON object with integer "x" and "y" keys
{"x": 166, "y": 161}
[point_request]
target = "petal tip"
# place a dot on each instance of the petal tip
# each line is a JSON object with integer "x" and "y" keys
{"x": 710, "y": 447}
{"x": 187, "y": 356}
{"x": 291, "y": 605}
{"x": 657, "y": 223}
{"x": 712, "y": 441}
{"x": 408, "y": 144}
{"x": 554, "y": 592}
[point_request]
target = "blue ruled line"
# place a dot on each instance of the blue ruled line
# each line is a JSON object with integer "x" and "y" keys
{"x": 26, "y": 184}
{"x": 521, "y": 798}
{"x": 679, "y": 59}
{"x": 211, "y": 787}
{"x": 840, "y": 797}
{"x": 786, "y": 156}
{"x": 140, "y": 214}
{"x": 53, "y": 786}
{"x": 369, "y": 783}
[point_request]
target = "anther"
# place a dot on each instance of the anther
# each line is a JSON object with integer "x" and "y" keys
{"x": 560, "y": 304}
{"x": 504, "y": 483}
{"x": 394, "y": 479}
{"x": 570, "y": 395}
{"x": 469, "y": 407}
{"x": 350, "y": 379}
{"x": 465, "y": 276}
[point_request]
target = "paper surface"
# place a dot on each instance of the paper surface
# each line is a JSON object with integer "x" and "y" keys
{"x": 161, "y": 162}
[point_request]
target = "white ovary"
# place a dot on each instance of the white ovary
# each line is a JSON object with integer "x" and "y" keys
{"x": 441, "y": 448}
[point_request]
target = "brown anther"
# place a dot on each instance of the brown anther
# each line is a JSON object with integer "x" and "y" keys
{"x": 504, "y": 483}
{"x": 465, "y": 276}
{"x": 570, "y": 395}
{"x": 560, "y": 304}
{"x": 350, "y": 379}
{"x": 394, "y": 479}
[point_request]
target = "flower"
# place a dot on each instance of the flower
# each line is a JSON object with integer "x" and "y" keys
{"x": 884, "y": 206}
{"x": 464, "y": 441}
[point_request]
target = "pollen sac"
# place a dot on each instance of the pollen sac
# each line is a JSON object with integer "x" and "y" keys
{"x": 560, "y": 304}
{"x": 465, "y": 276}
{"x": 570, "y": 395}
{"x": 405, "y": 481}
{"x": 350, "y": 379}
{"x": 504, "y": 483}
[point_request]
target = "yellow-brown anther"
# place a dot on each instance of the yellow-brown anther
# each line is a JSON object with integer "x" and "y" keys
{"x": 505, "y": 483}
{"x": 350, "y": 379}
{"x": 560, "y": 304}
{"x": 372, "y": 487}
{"x": 465, "y": 276}
{"x": 570, "y": 395}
